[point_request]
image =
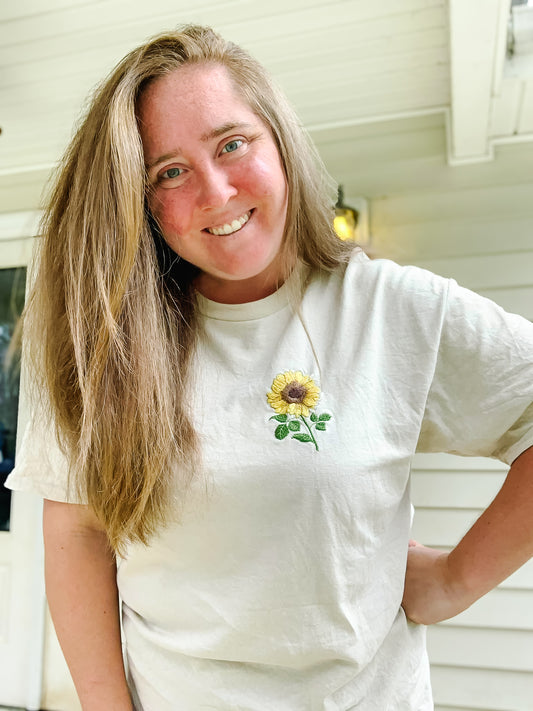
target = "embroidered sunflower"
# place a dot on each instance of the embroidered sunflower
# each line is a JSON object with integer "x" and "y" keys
{"x": 292, "y": 396}
{"x": 293, "y": 393}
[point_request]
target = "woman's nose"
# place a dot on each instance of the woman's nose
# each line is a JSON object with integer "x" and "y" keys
{"x": 216, "y": 188}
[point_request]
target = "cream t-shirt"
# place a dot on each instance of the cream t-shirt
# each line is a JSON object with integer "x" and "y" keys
{"x": 281, "y": 589}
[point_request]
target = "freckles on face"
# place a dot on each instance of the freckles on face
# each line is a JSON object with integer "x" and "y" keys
{"x": 217, "y": 187}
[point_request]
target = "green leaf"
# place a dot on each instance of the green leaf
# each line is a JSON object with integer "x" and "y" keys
{"x": 294, "y": 426}
{"x": 324, "y": 417}
{"x": 281, "y": 431}
{"x": 314, "y": 417}
{"x": 320, "y": 426}
{"x": 279, "y": 418}
{"x": 302, "y": 437}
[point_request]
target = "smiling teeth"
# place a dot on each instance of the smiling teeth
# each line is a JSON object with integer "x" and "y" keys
{"x": 229, "y": 228}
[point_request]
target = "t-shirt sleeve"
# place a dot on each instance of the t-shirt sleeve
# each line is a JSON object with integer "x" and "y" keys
{"x": 40, "y": 465}
{"x": 480, "y": 402}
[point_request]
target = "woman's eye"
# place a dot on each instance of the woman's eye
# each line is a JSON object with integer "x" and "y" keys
{"x": 172, "y": 173}
{"x": 232, "y": 146}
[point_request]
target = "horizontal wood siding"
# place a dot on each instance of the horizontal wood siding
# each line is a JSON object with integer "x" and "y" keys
{"x": 338, "y": 61}
{"x": 494, "y": 638}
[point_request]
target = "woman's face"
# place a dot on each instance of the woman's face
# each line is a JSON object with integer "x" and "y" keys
{"x": 217, "y": 186}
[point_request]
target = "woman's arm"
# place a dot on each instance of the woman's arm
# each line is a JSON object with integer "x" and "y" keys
{"x": 440, "y": 585}
{"x": 82, "y": 594}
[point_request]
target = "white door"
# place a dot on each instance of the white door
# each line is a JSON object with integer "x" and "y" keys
{"x": 22, "y": 600}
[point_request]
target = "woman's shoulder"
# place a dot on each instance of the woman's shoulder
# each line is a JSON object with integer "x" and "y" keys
{"x": 371, "y": 275}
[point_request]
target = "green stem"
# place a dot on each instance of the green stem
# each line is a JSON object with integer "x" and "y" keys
{"x": 310, "y": 432}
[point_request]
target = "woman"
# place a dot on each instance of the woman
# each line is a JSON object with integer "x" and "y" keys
{"x": 237, "y": 397}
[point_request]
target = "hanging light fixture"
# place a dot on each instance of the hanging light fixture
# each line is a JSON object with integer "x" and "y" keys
{"x": 346, "y": 218}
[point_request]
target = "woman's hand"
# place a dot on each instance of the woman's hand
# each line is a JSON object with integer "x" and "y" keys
{"x": 430, "y": 593}
{"x": 440, "y": 585}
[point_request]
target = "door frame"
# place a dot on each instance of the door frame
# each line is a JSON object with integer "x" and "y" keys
{"x": 22, "y": 595}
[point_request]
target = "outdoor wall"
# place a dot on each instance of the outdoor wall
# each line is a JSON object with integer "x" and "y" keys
{"x": 475, "y": 224}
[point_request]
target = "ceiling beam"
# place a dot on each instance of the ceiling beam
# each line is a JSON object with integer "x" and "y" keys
{"x": 477, "y": 31}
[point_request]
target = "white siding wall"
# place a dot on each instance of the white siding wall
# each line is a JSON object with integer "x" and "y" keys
{"x": 475, "y": 224}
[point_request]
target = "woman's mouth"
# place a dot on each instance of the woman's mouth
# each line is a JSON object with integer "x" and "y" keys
{"x": 230, "y": 227}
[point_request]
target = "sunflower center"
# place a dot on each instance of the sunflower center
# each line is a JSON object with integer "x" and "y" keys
{"x": 294, "y": 392}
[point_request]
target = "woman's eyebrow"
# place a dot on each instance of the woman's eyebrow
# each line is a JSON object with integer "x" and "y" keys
{"x": 220, "y": 130}
{"x": 213, "y": 133}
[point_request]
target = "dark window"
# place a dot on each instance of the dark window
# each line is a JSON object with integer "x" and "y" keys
{"x": 12, "y": 288}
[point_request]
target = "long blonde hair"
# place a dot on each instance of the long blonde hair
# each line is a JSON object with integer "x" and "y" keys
{"x": 110, "y": 324}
